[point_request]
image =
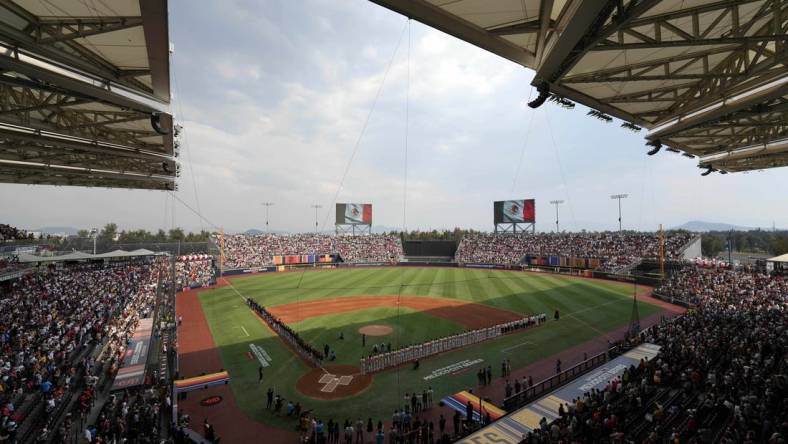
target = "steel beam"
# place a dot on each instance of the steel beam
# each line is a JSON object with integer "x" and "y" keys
{"x": 441, "y": 20}
{"x": 612, "y": 46}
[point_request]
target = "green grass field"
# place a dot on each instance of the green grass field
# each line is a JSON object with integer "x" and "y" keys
{"x": 588, "y": 309}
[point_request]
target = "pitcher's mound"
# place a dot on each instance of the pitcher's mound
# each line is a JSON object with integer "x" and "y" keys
{"x": 376, "y": 330}
{"x": 333, "y": 382}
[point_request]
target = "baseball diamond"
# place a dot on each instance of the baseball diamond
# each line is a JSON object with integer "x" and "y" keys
{"x": 328, "y": 310}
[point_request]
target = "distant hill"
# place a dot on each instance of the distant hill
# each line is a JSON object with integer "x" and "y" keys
{"x": 701, "y": 226}
{"x": 68, "y": 231}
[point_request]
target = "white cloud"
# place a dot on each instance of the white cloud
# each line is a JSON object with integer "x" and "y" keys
{"x": 274, "y": 113}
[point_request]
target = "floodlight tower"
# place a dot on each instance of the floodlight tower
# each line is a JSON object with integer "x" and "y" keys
{"x": 316, "y": 207}
{"x": 94, "y": 234}
{"x": 267, "y": 205}
{"x": 556, "y": 203}
{"x": 619, "y": 197}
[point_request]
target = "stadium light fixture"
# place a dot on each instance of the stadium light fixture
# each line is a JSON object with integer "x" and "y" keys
{"x": 556, "y": 203}
{"x": 619, "y": 197}
{"x": 94, "y": 234}
{"x": 267, "y": 205}
{"x": 708, "y": 171}
{"x": 672, "y": 150}
{"x": 155, "y": 122}
{"x": 656, "y": 144}
{"x": 631, "y": 126}
{"x": 688, "y": 155}
{"x": 544, "y": 92}
{"x": 562, "y": 102}
{"x": 316, "y": 207}
{"x": 600, "y": 115}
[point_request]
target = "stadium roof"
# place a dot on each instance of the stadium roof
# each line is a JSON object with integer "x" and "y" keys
{"x": 85, "y": 92}
{"x": 707, "y": 77}
{"x": 79, "y": 256}
{"x": 782, "y": 258}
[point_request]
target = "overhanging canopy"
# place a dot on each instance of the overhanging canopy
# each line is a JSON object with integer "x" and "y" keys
{"x": 85, "y": 94}
{"x": 782, "y": 259}
{"x": 80, "y": 256}
{"x": 707, "y": 77}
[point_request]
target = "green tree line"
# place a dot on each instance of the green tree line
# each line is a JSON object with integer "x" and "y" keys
{"x": 110, "y": 234}
{"x": 454, "y": 234}
{"x": 756, "y": 241}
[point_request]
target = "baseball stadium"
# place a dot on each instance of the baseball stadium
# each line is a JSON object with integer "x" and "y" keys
{"x": 510, "y": 329}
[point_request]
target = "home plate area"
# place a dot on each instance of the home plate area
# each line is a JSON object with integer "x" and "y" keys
{"x": 331, "y": 382}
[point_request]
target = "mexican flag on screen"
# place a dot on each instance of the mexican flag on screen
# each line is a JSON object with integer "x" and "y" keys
{"x": 358, "y": 213}
{"x": 518, "y": 211}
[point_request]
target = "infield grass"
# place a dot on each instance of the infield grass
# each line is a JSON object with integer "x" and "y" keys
{"x": 589, "y": 308}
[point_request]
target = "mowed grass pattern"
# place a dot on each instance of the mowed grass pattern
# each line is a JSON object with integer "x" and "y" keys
{"x": 588, "y": 309}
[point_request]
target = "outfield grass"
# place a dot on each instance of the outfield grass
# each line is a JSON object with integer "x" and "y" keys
{"x": 588, "y": 309}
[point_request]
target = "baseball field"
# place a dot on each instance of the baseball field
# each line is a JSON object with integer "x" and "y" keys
{"x": 403, "y": 306}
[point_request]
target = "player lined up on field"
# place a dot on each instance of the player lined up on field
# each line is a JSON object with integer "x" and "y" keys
{"x": 375, "y": 363}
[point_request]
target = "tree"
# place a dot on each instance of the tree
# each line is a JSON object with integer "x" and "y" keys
{"x": 176, "y": 235}
{"x": 711, "y": 245}
{"x": 109, "y": 232}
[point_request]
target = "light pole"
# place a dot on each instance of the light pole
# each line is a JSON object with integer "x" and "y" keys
{"x": 316, "y": 207}
{"x": 267, "y": 205}
{"x": 94, "y": 232}
{"x": 619, "y": 197}
{"x": 556, "y": 203}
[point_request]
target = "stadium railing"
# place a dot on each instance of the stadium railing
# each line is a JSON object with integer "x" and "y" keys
{"x": 528, "y": 395}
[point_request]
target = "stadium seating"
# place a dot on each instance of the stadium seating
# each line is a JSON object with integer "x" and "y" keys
{"x": 63, "y": 333}
{"x": 720, "y": 376}
{"x": 243, "y": 251}
{"x": 194, "y": 271}
{"x": 615, "y": 250}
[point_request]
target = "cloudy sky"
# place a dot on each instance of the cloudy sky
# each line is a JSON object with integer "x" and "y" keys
{"x": 281, "y": 99}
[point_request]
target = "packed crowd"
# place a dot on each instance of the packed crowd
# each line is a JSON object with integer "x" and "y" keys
{"x": 413, "y": 353}
{"x": 286, "y": 333}
{"x": 719, "y": 377}
{"x": 616, "y": 250}
{"x": 697, "y": 284}
{"x": 194, "y": 271}
{"x": 54, "y": 322}
{"x": 252, "y": 251}
{"x": 409, "y": 423}
{"x": 130, "y": 417}
{"x": 9, "y": 233}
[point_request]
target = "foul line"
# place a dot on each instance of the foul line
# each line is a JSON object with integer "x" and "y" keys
{"x": 506, "y": 350}
{"x": 234, "y": 289}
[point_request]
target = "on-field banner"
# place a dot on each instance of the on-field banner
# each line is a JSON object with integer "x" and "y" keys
{"x": 514, "y": 211}
{"x": 132, "y": 370}
{"x": 354, "y": 214}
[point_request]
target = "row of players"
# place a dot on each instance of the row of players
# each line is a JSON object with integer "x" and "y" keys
{"x": 374, "y": 363}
